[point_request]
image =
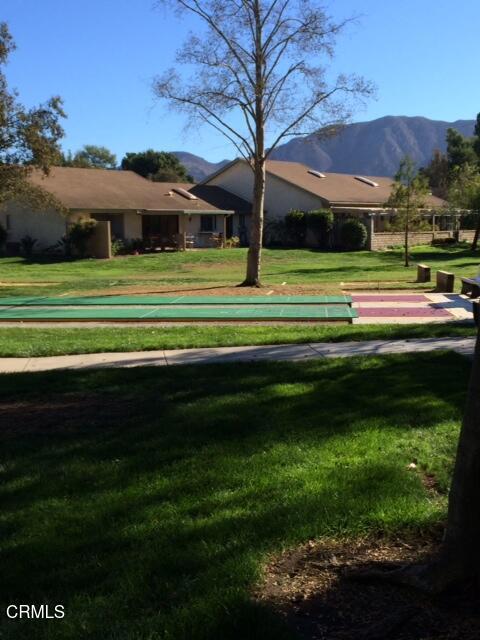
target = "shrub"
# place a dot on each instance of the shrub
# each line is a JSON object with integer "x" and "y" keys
{"x": 296, "y": 227}
{"x": 353, "y": 235}
{"x": 275, "y": 233}
{"x": 232, "y": 242}
{"x": 28, "y": 243}
{"x": 78, "y": 235}
{"x": 320, "y": 222}
{"x": 117, "y": 246}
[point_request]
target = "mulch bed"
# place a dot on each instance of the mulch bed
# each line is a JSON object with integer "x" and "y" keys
{"x": 310, "y": 589}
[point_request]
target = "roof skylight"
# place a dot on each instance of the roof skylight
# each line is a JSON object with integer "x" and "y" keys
{"x": 371, "y": 183}
{"x": 317, "y": 173}
{"x": 184, "y": 193}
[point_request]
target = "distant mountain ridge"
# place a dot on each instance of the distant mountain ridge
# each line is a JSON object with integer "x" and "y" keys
{"x": 198, "y": 167}
{"x": 370, "y": 148}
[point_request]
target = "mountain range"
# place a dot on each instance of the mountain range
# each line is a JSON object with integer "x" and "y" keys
{"x": 370, "y": 148}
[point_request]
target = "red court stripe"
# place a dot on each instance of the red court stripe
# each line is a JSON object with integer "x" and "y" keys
{"x": 392, "y": 298}
{"x": 399, "y": 312}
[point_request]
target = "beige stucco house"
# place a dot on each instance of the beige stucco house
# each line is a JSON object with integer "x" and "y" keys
{"x": 292, "y": 185}
{"x": 135, "y": 207}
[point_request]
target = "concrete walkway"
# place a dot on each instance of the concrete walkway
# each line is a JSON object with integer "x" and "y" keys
{"x": 292, "y": 352}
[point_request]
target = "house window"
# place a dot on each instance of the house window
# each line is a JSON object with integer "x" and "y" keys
{"x": 116, "y": 223}
{"x": 208, "y": 223}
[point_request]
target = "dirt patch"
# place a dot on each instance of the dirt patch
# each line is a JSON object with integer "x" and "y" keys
{"x": 212, "y": 290}
{"x": 70, "y": 412}
{"x": 308, "y": 587}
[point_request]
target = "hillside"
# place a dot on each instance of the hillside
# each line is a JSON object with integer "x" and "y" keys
{"x": 371, "y": 148}
{"x": 198, "y": 167}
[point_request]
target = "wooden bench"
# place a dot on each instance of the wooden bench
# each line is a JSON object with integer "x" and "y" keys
{"x": 471, "y": 287}
{"x": 423, "y": 273}
{"x": 445, "y": 281}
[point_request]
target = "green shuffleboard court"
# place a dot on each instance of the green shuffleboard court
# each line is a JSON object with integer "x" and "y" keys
{"x": 118, "y": 300}
{"x": 168, "y": 313}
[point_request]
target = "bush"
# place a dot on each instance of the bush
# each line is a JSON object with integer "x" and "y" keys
{"x": 353, "y": 235}
{"x": 78, "y": 235}
{"x": 320, "y": 222}
{"x": 275, "y": 233}
{"x": 117, "y": 246}
{"x": 296, "y": 227}
{"x": 232, "y": 242}
{"x": 28, "y": 243}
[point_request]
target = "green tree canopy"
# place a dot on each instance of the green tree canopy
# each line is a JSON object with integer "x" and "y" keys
{"x": 159, "y": 166}
{"x": 460, "y": 150}
{"x": 28, "y": 138}
{"x": 90, "y": 156}
{"x": 438, "y": 174}
{"x": 464, "y": 189}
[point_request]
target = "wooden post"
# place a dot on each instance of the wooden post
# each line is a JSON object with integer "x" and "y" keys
{"x": 423, "y": 273}
{"x": 224, "y": 235}
{"x": 445, "y": 281}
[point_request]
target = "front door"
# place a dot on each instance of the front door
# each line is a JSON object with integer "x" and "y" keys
{"x": 160, "y": 230}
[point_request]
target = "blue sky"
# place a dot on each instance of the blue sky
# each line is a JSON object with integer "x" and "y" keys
{"x": 101, "y": 56}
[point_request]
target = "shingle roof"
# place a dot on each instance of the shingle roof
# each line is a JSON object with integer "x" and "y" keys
{"x": 334, "y": 188}
{"x": 103, "y": 189}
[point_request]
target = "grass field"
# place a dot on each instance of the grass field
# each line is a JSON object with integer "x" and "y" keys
{"x": 28, "y": 342}
{"x": 226, "y": 268}
{"x": 146, "y": 501}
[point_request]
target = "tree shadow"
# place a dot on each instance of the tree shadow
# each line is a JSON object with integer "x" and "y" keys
{"x": 157, "y": 516}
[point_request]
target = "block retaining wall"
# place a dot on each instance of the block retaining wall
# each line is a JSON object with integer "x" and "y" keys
{"x": 390, "y": 239}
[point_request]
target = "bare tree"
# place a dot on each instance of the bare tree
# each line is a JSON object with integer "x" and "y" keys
{"x": 408, "y": 198}
{"x": 260, "y": 60}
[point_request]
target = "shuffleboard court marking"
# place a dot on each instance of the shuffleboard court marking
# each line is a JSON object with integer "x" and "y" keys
{"x": 398, "y": 312}
{"x": 390, "y": 298}
{"x": 164, "y": 300}
{"x": 149, "y": 312}
{"x": 191, "y": 313}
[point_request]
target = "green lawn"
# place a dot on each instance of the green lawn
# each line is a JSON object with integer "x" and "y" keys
{"x": 226, "y": 268}
{"x": 146, "y": 501}
{"x": 28, "y": 342}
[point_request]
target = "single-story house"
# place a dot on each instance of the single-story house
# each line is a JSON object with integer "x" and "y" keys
{"x": 292, "y": 185}
{"x": 156, "y": 212}
{"x": 135, "y": 207}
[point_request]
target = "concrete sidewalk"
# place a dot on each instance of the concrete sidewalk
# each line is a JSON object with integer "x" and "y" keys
{"x": 291, "y": 352}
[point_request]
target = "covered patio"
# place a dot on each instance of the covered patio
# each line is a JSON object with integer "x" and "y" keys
{"x": 187, "y": 229}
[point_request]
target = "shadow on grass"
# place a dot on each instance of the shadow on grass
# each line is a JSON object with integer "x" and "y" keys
{"x": 149, "y": 505}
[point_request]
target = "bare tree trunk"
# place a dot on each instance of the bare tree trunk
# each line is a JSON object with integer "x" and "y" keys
{"x": 477, "y": 234}
{"x": 463, "y": 526}
{"x": 252, "y": 278}
{"x": 407, "y": 229}
{"x": 458, "y": 561}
